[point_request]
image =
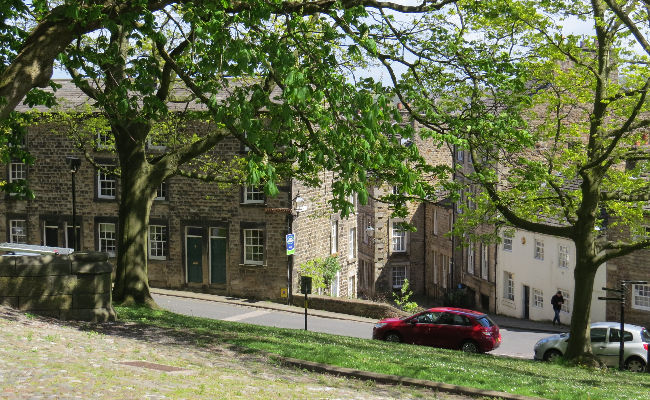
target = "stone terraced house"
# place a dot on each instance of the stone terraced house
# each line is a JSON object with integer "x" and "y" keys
{"x": 201, "y": 237}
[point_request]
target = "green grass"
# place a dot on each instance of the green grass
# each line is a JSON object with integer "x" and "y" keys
{"x": 526, "y": 377}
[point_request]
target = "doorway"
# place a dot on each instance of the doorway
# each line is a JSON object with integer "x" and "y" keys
{"x": 194, "y": 246}
{"x": 218, "y": 246}
{"x": 526, "y": 302}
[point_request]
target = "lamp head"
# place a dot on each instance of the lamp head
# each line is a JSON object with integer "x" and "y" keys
{"x": 74, "y": 163}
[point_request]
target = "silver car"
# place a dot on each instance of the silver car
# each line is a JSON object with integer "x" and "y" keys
{"x": 605, "y": 341}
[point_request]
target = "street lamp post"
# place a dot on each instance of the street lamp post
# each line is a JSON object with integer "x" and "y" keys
{"x": 298, "y": 205}
{"x": 74, "y": 163}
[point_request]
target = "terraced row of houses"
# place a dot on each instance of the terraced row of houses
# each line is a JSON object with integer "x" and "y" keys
{"x": 231, "y": 240}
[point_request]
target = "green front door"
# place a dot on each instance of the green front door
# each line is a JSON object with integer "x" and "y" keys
{"x": 194, "y": 259}
{"x": 218, "y": 256}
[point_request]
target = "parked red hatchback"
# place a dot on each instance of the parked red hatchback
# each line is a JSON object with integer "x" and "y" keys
{"x": 444, "y": 327}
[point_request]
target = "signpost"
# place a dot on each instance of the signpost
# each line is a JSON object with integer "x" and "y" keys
{"x": 305, "y": 288}
{"x": 621, "y": 292}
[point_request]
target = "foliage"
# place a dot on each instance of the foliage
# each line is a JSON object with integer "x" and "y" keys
{"x": 322, "y": 271}
{"x": 402, "y": 299}
{"x": 555, "y": 381}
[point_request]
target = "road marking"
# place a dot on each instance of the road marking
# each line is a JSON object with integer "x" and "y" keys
{"x": 247, "y": 315}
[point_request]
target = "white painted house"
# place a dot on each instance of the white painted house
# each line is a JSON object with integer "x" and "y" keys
{"x": 531, "y": 268}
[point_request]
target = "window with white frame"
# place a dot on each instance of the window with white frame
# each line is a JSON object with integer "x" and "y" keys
{"x": 459, "y": 202}
{"x": 254, "y": 195}
{"x": 103, "y": 140}
{"x": 334, "y": 238}
{"x": 161, "y": 192}
{"x": 17, "y": 172}
{"x": 470, "y": 258}
{"x": 445, "y": 261}
{"x": 435, "y": 268}
{"x": 435, "y": 222}
{"x": 352, "y": 243}
{"x": 538, "y": 298}
{"x": 459, "y": 153}
{"x": 157, "y": 242}
{"x": 352, "y": 200}
{"x": 398, "y": 237}
{"x": 155, "y": 144}
{"x": 484, "y": 261}
{"x": 641, "y": 297}
{"x": 18, "y": 231}
{"x": 254, "y": 246}
{"x": 352, "y": 286}
{"x": 645, "y": 234}
{"x": 399, "y": 275}
{"x": 565, "y": 304}
{"x": 539, "y": 249}
{"x": 107, "y": 238}
{"x": 508, "y": 285}
{"x": 508, "y": 235}
{"x": 106, "y": 183}
{"x": 563, "y": 256}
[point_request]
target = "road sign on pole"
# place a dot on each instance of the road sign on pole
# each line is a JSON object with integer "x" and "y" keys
{"x": 290, "y": 244}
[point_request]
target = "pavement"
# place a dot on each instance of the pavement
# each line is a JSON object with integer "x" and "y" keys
{"x": 501, "y": 320}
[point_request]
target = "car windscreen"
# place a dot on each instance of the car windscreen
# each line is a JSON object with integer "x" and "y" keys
{"x": 485, "y": 321}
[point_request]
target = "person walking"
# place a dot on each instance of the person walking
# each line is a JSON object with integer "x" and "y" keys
{"x": 557, "y": 302}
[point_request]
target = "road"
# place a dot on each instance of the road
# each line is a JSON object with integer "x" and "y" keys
{"x": 515, "y": 343}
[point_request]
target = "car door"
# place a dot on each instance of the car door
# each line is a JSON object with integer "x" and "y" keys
{"x": 442, "y": 331}
{"x": 599, "y": 342}
{"x": 613, "y": 346}
{"x": 419, "y": 328}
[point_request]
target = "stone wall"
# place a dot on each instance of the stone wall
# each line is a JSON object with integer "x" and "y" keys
{"x": 76, "y": 286}
{"x": 361, "y": 308}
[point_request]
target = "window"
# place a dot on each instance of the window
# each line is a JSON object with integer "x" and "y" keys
{"x": 459, "y": 202}
{"x": 509, "y": 285}
{"x": 399, "y": 275}
{"x": 435, "y": 268}
{"x": 157, "y": 242}
{"x": 565, "y": 305}
{"x": 106, "y": 184}
{"x": 563, "y": 255}
{"x": 70, "y": 233}
{"x": 334, "y": 238}
{"x": 364, "y": 225}
{"x": 507, "y": 240}
{"x": 641, "y": 297}
{"x": 446, "y": 261}
{"x": 395, "y": 190}
{"x": 484, "y": 261}
{"x": 352, "y": 286}
{"x": 538, "y": 298}
{"x": 352, "y": 200}
{"x": 435, "y": 222}
{"x": 459, "y": 153}
{"x": 253, "y": 246}
{"x": 17, "y": 172}
{"x": 103, "y": 140}
{"x": 645, "y": 234}
{"x": 470, "y": 259}
{"x": 352, "y": 243}
{"x": 51, "y": 234}
{"x": 18, "y": 232}
{"x": 161, "y": 192}
{"x": 107, "y": 241}
{"x": 539, "y": 249}
{"x": 398, "y": 237}
{"x": 253, "y": 195}
{"x": 155, "y": 144}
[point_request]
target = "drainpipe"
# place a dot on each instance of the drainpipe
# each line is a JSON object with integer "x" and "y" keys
{"x": 424, "y": 256}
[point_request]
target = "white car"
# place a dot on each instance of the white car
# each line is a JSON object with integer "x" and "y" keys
{"x": 605, "y": 343}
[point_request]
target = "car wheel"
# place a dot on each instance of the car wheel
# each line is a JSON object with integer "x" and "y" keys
{"x": 552, "y": 355}
{"x": 470, "y": 346}
{"x": 393, "y": 337}
{"x": 635, "y": 365}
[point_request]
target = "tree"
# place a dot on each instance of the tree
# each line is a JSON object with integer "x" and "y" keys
{"x": 553, "y": 122}
{"x": 271, "y": 75}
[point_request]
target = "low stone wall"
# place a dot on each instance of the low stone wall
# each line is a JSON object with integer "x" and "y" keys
{"x": 361, "y": 308}
{"x": 75, "y": 286}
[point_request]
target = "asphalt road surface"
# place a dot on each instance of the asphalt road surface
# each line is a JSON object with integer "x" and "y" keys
{"x": 514, "y": 343}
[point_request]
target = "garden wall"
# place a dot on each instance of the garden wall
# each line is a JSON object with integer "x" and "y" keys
{"x": 361, "y": 308}
{"x": 75, "y": 286}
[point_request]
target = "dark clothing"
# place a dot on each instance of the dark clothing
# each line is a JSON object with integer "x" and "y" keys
{"x": 557, "y": 302}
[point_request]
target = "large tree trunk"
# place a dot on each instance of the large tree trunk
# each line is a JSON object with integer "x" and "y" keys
{"x": 138, "y": 189}
{"x": 579, "y": 347}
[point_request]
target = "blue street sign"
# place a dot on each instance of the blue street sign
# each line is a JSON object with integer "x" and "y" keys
{"x": 290, "y": 244}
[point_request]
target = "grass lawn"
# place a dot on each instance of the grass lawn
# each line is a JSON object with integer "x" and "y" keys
{"x": 526, "y": 377}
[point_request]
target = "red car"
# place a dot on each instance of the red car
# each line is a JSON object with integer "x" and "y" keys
{"x": 447, "y": 328}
